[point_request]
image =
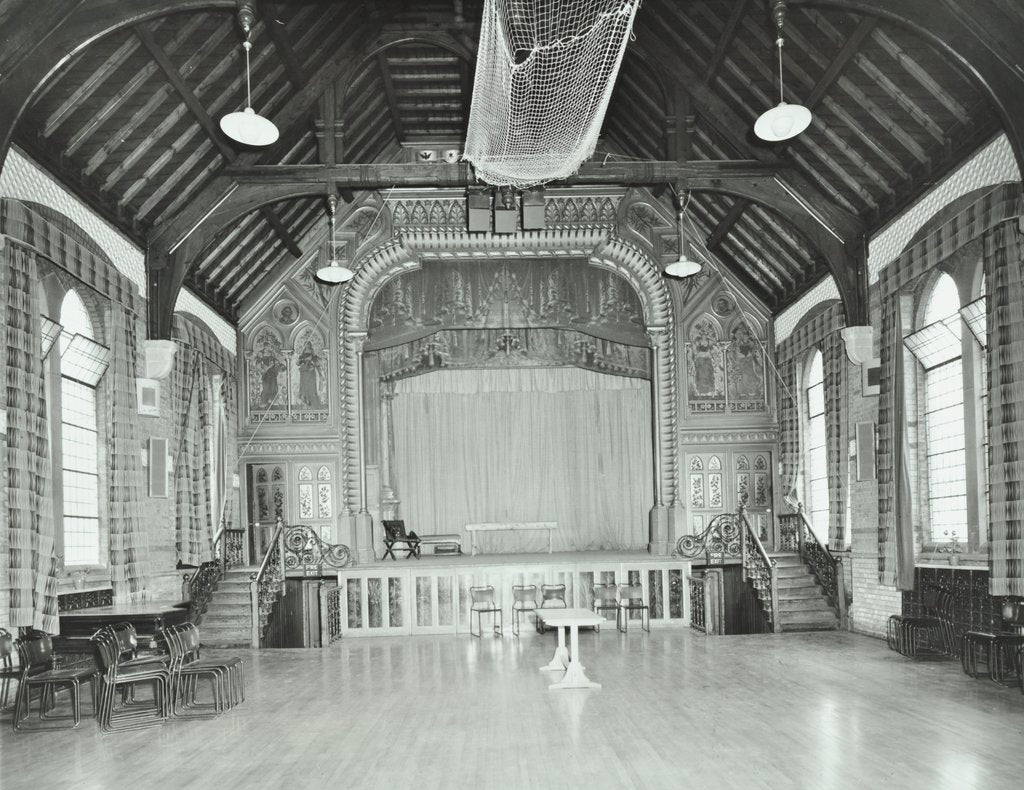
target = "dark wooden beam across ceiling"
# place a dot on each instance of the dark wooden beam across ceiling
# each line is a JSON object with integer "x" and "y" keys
{"x": 840, "y": 61}
{"x": 282, "y": 46}
{"x": 739, "y": 9}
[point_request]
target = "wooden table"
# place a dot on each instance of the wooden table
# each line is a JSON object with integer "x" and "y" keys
{"x": 493, "y": 526}
{"x": 569, "y": 660}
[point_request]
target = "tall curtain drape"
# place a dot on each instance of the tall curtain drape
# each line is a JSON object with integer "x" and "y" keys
{"x": 229, "y": 404}
{"x": 895, "y": 513}
{"x": 193, "y": 529}
{"x": 790, "y": 457}
{"x": 833, "y": 355}
{"x": 31, "y": 559}
{"x": 521, "y": 445}
{"x": 129, "y": 543}
{"x": 1004, "y": 269}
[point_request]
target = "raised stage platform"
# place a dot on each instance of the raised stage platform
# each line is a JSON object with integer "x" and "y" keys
{"x": 430, "y": 595}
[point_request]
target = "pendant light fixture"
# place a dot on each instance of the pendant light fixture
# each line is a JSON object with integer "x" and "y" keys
{"x": 684, "y": 267}
{"x": 334, "y": 273}
{"x": 783, "y": 121}
{"x": 246, "y": 126}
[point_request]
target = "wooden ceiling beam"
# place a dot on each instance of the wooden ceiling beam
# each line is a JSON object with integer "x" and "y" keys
{"x": 282, "y": 46}
{"x": 389, "y": 91}
{"x": 721, "y": 230}
{"x": 739, "y": 8}
{"x": 842, "y": 59}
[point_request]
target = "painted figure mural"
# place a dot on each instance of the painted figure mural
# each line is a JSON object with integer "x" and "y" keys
{"x": 267, "y": 373}
{"x": 309, "y": 380}
{"x": 746, "y": 369}
{"x": 705, "y": 367}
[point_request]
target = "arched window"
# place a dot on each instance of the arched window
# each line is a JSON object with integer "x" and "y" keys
{"x": 79, "y": 436}
{"x": 944, "y": 415}
{"x": 815, "y": 454}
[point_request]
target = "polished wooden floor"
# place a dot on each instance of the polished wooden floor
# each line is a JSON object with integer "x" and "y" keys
{"x": 822, "y": 710}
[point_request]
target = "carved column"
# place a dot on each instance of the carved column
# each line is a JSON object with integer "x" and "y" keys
{"x": 352, "y": 468}
{"x": 389, "y": 502}
{"x": 663, "y": 436}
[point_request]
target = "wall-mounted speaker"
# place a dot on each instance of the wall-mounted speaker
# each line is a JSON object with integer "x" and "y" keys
{"x": 159, "y": 468}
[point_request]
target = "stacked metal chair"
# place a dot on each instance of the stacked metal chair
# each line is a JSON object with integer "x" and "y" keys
{"x": 929, "y": 635}
{"x": 997, "y": 649}
{"x": 38, "y": 671}
{"x": 226, "y": 676}
{"x": 120, "y": 672}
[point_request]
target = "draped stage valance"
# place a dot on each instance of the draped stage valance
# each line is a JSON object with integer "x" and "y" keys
{"x": 505, "y": 294}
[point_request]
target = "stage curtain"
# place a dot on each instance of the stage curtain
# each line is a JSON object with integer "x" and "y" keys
{"x": 31, "y": 558}
{"x": 561, "y": 444}
{"x": 1004, "y": 269}
{"x": 895, "y": 512}
{"x": 129, "y": 546}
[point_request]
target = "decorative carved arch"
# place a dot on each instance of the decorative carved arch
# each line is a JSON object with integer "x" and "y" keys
{"x": 597, "y": 244}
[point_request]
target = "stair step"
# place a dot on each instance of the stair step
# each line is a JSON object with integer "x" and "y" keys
{"x": 811, "y": 616}
{"x": 231, "y": 596}
{"x": 792, "y": 582}
{"x": 791, "y": 571}
{"x": 817, "y": 604}
{"x": 785, "y": 560}
{"x": 822, "y": 625}
{"x": 799, "y": 593}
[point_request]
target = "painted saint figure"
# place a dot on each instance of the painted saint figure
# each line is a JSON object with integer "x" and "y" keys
{"x": 309, "y": 377}
{"x": 271, "y": 366}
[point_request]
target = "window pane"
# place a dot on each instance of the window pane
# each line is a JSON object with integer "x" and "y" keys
{"x": 946, "y": 451}
{"x": 79, "y": 445}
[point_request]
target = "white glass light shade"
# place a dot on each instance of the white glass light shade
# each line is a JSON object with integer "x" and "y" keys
{"x": 782, "y": 122}
{"x": 684, "y": 267}
{"x": 248, "y": 128}
{"x": 334, "y": 274}
{"x": 860, "y": 341}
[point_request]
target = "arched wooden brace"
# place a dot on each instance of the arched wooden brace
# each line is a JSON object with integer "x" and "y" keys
{"x": 845, "y": 256}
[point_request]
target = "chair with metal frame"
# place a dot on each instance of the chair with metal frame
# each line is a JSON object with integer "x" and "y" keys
{"x": 552, "y": 596}
{"x": 606, "y": 599}
{"x": 524, "y": 599}
{"x": 996, "y": 648}
{"x": 130, "y": 714}
{"x": 226, "y": 677}
{"x": 8, "y": 672}
{"x": 483, "y": 603}
{"x": 36, "y": 660}
{"x": 631, "y": 599}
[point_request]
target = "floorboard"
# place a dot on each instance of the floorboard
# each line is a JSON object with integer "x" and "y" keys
{"x": 819, "y": 710}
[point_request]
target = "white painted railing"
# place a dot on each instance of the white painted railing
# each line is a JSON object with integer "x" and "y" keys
{"x": 406, "y": 599}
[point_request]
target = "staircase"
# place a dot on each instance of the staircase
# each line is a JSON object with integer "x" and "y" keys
{"x": 228, "y": 618}
{"x": 802, "y": 604}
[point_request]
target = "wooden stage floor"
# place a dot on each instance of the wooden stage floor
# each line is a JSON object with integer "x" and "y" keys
{"x": 820, "y": 710}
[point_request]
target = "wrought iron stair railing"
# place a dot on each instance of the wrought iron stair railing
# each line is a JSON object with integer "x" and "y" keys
{"x": 293, "y": 551}
{"x": 795, "y": 534}
{"x": 761, "y": 571}
{"x": 228, "y": 552}
{"x": 730, "y": 536}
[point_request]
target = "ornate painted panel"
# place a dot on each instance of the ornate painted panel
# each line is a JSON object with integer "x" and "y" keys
{"x": 705, "y": 368}
{"x": 309, "y": 377}
{"x": 267, "y": 378}
{"x": 725, "y": 370}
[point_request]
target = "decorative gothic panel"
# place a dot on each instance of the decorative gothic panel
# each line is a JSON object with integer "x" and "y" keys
{"x": 487, "y": 348}
{"x": 510, "y": 294}
{"x": 267, "y": 378}
{"x": 705, "y": 368}
{"x": 309, "y": 377}
{"x": 745, "y": 371}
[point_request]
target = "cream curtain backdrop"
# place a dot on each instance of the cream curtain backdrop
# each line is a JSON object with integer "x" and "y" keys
{"x": 536, "y": 444}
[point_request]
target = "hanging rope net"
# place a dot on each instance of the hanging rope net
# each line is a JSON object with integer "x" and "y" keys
{"x": 545, "y": 71}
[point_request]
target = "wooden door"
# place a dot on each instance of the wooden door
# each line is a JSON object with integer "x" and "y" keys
{"x": 706, "y": 488}
{"x": 753, "y": 489}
